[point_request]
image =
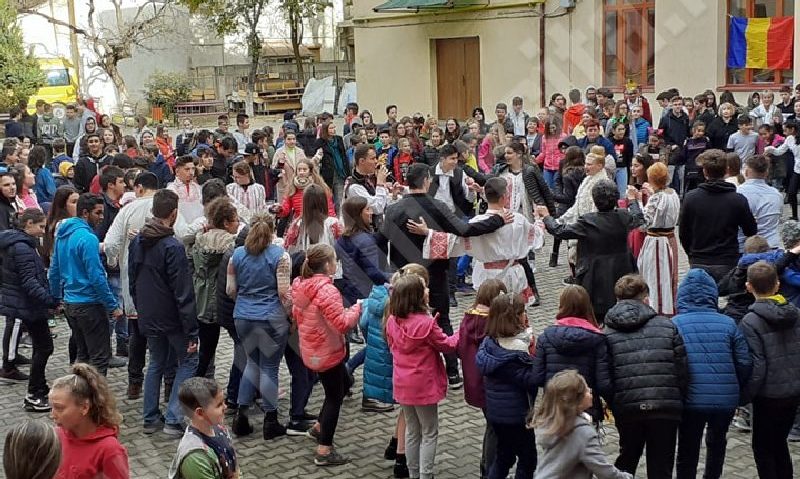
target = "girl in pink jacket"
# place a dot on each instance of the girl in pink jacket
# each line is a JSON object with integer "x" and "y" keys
{"x": 419, "y": 378}
{"x": 322, "y": 320}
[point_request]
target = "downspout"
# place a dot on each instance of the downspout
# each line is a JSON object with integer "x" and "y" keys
{"x": 542, "y": 94}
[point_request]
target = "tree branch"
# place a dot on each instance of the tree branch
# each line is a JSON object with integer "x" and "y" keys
{"x": 54, "y": 21}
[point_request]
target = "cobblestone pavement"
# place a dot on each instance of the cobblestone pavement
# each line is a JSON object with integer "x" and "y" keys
{"x": 362, "y": 436}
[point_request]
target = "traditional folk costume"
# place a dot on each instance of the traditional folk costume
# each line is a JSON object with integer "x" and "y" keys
{"x": 658, "y": 260}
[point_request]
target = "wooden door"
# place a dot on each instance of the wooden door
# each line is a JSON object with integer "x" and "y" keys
{"x": 458, "y": 76}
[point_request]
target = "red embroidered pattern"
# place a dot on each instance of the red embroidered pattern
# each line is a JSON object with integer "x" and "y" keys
{"x": 439, "y": 245}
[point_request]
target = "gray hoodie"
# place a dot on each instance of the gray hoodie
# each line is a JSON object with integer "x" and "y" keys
{"x": 576, "y": 456}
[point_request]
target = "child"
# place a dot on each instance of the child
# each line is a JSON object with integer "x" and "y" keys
{"x": 305, "y": 174}
{"x": 505, "y": 361}
{"x": 470, "y": 336}
{"x": 772, "y": 331}
{"x": 733, "y": 175}
{"x": 31, "y": 451}
{"x": 569, "y": 442}
{"x": 59, "y": 155}
{"x": 87, "y": 423}
{"x": 322, "y": 322}
{"x": 692, "y": 147}
{"x": 575, "y": 342}
{"x": 418, "y": 378}
{"x": 384, "y": 149}
{"x": 789, "y": 145}
{"x": 205, "y": 451}
{"x": 743, "y": 142}
{"x": 402, "y": 160}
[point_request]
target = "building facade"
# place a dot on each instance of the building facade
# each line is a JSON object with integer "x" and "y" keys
{"x": 448, "y": 56}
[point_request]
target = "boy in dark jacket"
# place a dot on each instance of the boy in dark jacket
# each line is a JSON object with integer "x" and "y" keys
{"x": 772, "y": 330}
{"x": 24, "y": 299}
{"x": 161, "y": 288}
{"x": 719, "y": 364}
{"x": 649, "y": 374}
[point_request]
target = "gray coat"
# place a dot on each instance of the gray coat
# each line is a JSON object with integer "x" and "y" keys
{"x": 576, "y": 456}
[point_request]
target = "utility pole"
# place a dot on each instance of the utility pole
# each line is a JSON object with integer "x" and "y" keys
{"x": 73, "y": 44}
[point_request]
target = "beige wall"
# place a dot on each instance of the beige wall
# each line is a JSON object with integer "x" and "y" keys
{"x": 395, "y": 61}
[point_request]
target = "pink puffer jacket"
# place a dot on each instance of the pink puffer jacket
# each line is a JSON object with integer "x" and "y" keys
{"x": 418, "y": 377}
{"x": 321, "y": 321}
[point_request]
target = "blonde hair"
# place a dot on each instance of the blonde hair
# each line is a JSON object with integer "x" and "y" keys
{"x": 313, "y": 174}
{"x": 86, "y": 384}
{"x": 598, "y": 150}
{"x": 563, "y": 396}
{"x": 31, "y": 451}
{"x": 259, "y": 237}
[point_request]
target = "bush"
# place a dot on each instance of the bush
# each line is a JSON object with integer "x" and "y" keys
{"x": 165, "y": 89}
{"x": 20, "y": 74}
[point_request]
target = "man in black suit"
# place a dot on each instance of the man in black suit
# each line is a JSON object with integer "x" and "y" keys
{"x": 405, "y": 247}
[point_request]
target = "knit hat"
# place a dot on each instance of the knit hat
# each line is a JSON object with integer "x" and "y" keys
{"x": 790, "y": 234}
{"x": 64, "y": 167}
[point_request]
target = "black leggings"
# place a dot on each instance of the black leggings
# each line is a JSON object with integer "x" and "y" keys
{"x": 791, "y": 193}
{"x": 335, "y": 382}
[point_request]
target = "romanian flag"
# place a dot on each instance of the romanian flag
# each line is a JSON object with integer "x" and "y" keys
{"x": 761, "y": 43}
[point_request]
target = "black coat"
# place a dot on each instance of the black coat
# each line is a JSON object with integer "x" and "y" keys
{"x": 8, "y": 214}
{"x": 538, "y": 191}
{"x": 508, "y": 380}
{"x": 676, "y": 128}
{"x": 464, "y": 207}
{"x": 326, "y": 166}
{"x": 772, "y": 331}
{"x": 561, "y": 347}
{"x": 710, "y": 218}
{"x": 430, "y": 155}
{"x": 719, "y": 132}
{"x": 567, "y": 189}
{"x": 24, "y": 292}
{"x": 87, "y": 168}
{"x": 603, "y": 253}
{"x": 161, "y": 284}
{"x": 649, "y": 369}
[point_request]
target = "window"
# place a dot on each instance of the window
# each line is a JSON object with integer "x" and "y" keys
{"x": 629, "y": 43}
{"x": 759, "y": 9}
{"x": 58, "y": 77}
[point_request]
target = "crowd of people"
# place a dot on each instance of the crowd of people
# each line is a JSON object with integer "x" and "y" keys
{"x": 304, "y": 242}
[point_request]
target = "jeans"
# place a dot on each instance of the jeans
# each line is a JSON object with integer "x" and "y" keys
{"x": 303, "y": 380}
{"x": 91, "y": 332}
{"x": 440, "y": 303}
{"x": 338, "y": 192}
{"x": 357, "y": 359}
{"x": 164, "y": 349}
{"x": 690, "y": 435}
{"x": 621, "y": 179}
{"x": 11, "y": 336}
{"x": 335, "y": 382}
{"x": 120, "y": 325}
{"x": 264, "y": 342}
{"x": 550, "y": 178}
{"x": 514, "y": 442}
{"x": 772, "y": 421}
{"x": 42, "y": 344}
{"x": 658, "y": 435}
{"x": 137, "y": 352}
{"x": 422, "y": 436}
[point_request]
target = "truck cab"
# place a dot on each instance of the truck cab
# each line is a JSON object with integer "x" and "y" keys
{"x": 60, "y": 87}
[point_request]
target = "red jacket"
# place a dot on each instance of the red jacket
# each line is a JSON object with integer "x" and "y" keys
{"x": 400, "y": 167}
{"x": 294, "y": 204}
{"x": 96, "y": 455}
{"x": 318, "y": 309}
{"x": 573, "y": 117}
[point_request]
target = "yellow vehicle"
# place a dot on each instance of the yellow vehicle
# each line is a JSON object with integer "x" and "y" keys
{"x": 60, "y": 87}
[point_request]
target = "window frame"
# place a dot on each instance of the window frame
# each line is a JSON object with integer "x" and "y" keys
{"x": 620, "y": 8}
{"x": 749, "y": 84}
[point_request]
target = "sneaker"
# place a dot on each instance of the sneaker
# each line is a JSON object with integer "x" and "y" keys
{"x": 298, "y": 427}
{"x": 400, "y": 470}
{"x": 25, "y": 341}
{"x": 152, "y": 427}
{"x": 174, "y": 430}
{"x": 333, "y": 458}
{"x": 372, "y": 405}
{"x": 741, "y": 423}
{"x": 313, "y": 434}
{"x": 117, "y": 362}
{"x": 33, "y": 403}
{"x": 13, "y": 375}
{"x": 21, "y": 360}
{"x": 134, "y": 391}
{"x": 455, "y": 382}
{"x": 568, "y": 280}
{"x": 794, "y": 434}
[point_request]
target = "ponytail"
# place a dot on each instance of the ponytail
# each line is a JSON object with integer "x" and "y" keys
{"x": 86, "y": 384}
{"x": 317, "y": 258}
{"x": 262, "y": 227}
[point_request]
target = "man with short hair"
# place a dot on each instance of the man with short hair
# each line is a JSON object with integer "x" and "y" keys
{"x": 766, "y": 202}
{"x": 391, "y": 116}
{"x": 90, "y": 162}
{"x": 574, "y": 114}
{"x": 77, "y": 275}
{"x": 227, "y": 155}
{"x": 350, "y": 115}
{"x": 710, "y": 218}
{"x": 48, "y": 128}
{"x": 72, "y": 127}
{"x": 501, "y": 112}
{"x": 240, "y": 135}
{"x": 161, "y": 288}
{"x": 222, "y": 128}
{"x": 190, "y": 206}
{"x": 518, "y": 117}
{"x": 130, "y": 220}
{"x": 157, "y": 165}
{"x": 369, "y": 181}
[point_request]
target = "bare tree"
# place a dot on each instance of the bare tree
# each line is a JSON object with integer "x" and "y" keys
{"x": 115, "y": 41}
{"x": 295, "y": 11}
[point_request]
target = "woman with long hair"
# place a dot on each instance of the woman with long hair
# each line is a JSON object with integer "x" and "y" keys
{"x": 551, "y": 154}
{"x": 496, "y": 137}
{"x": 164, "y": 143}
{"x": 639, "y": 165}
{"x": 569, "y": 178}
{"x": 106, "y": 122}
{"x": 306, "y": 174}
{"x": 334, "y": 166}
{"x": 64, "y": 206}
{"x": 452, "y": 130}
{"x": 479, "y": 116}
{"x": 314, "y": 224}
{"x": 45, "y": 184}
{"x": 31, "y": 451}
{"x": 259, "y": 279}
{"x": 25, "y": 183}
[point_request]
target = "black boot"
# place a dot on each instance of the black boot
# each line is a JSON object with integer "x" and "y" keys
{"x": 390, "y": 454}
{"x": 122, "y": 348}
{"x": 241, "y": 423}
{"x": 553, "y": 260}
{"x": 400, "y": 467}
{"x": 272, "y": 428}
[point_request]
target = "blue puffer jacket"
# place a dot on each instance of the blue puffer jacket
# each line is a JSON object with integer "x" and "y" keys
{"x": 378, "y": 362}
{"x": 717, "y": 352}
{"x": 509, "y": 382}
{"x": 574, "y": 343}
{"x": 24, "y": 292}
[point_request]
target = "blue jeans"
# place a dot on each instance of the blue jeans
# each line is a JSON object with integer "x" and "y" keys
{"x": 621, "y": 179}
{"x": 119, "y": 326}
{"x": 165, "y": 349}
{"x": 264, "y": 342}
{"x": 550, "y": 178}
